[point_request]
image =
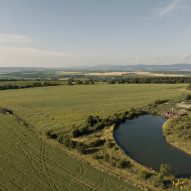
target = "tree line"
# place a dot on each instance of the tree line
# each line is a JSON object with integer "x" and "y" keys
{"x": 21, "y": 86}
{"x": 152, "y": 80}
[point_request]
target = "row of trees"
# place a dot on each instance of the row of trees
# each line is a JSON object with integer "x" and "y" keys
{"x": 94, "y": 123}
{"x": 153, "y": 80}
{"x": 19, "y": 86}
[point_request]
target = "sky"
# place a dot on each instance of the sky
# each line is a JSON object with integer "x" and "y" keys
{"x": 59, "y": 33}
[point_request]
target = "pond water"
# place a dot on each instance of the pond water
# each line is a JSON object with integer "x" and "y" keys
{"x": 142, "y": 139}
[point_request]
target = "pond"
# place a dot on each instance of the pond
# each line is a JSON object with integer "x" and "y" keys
{"x": 142, "y": 139}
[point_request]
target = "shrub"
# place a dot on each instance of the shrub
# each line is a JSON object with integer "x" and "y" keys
{"x": 97, "y": 143}
{"x": 113, "y": 163}
{"x": 60, "y": 139}
{"x": 52, "y": 135}
{"x": 106, "y": 157}
{"x": 188, "y": 97}
{"x": 76, "y": 133}
{"x": 65, "y": 140}
{"x": 189, "y": 87}
{"x": 96, "y": 157}
{"x": 99, "y": 126}
{"x": 145, "y": 174}
{"x": 110, "y": 144}
{"x": 132, "y": 113}
{"x": 123, "y": 164}
{"x": 80, "y": 132}
{"x": 72, "y": 144}
{"x": 166, "y": 170}
{"x": 84, "y": 131}
{"x": 79, "y": 82}
{"x": 158, "y": 180}
{"x": 92, "y": 120}
{"x": 160, "y": 101}
{"x": 82, "y": 148}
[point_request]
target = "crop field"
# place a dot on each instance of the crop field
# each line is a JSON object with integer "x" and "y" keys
{"x": 61, "y": 107}
{"x": 27, "y": 162}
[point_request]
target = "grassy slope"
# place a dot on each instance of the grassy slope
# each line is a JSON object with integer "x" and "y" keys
{"x": 60, "y": 107}
{"x": 178, "y": 132}
{"x": 27, "y": 163}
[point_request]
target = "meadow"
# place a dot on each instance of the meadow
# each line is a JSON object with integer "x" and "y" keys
{"x": 29, "y": 162}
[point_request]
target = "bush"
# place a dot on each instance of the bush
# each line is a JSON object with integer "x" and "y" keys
{"x": 166, "y": 170}
{"x": 145, "y": 174}
{"x": 188, "y": 97}
{"x": 84, "y": 131}
{"x": 132, "y": 113}
{"x": 92, "y": 120}
{"x": 72, "y": 144}
{"x": 99, "y": 126}
{"x": 160, "y": 101}
{"x": 76, "y": 133}
{"x": 97, "y": 143}
{"x": 113, "y": 163}
{"x": 65, "y": 140}
{"x": 106, "y": 157}
{"x": 110, "y": 144}
{"x": 189, "y": 87}
{"x": 158, "y": 180}
{"x": 123, "y": 164}
{"x": 80, "y": 132}
{"x": 97, "y": 157}
{"x": 52, "y": 135}
{"x": 82, "y": 148}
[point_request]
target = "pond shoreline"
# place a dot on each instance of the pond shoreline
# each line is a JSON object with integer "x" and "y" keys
{"x": 135, "y": 149}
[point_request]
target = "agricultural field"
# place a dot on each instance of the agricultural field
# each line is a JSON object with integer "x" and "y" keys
{"x": 29, "y": 161}
{"x": 62, "y": 106}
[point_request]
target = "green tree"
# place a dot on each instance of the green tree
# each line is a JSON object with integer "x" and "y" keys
{"x": 166, "y": 170}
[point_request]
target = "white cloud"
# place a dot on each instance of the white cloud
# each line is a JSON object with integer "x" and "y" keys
{"x": 169, "y": 8}
{"x": 23, "y": 56}
{"x": 13, "y": 38}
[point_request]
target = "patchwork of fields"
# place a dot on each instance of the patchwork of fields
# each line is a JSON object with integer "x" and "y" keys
{"x": 28, "y": 163}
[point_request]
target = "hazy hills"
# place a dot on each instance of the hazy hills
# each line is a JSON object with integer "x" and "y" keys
{"x": 140, "y": 67}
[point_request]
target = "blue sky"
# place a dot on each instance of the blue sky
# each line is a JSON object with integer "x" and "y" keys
{"x": 93, "y": 32}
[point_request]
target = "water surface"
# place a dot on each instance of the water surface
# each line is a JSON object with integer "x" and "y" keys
{"x": 142, "y": 139}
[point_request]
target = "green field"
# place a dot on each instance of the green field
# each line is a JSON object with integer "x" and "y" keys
{"x": 61, "y": 107}
{"x": 28, "y": 163}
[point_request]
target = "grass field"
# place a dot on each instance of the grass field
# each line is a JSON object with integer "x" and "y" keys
{"x": 28, "y": 163}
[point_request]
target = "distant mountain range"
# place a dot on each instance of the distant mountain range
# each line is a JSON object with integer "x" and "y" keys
{"x": 141, "y": 67}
